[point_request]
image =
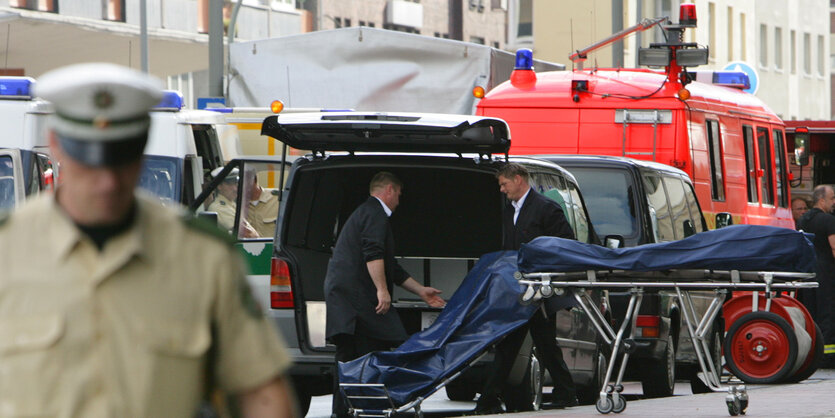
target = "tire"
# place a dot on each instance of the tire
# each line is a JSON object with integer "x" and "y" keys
{"x": 588, "y": 395}
{"x": 659, "y": 378}
{"x": 303, "y": 402}
{"x": 715, "y": 345}
{"x": 811, "y": 366}
{"x": 461, "y": 392}
{"x": 526, "y": 396}
{"x": 760, "y": 348}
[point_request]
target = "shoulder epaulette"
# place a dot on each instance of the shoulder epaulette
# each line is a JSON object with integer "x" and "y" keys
{"x": 207, "y": 228}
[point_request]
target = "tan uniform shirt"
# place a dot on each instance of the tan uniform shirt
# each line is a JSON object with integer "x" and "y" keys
{"x": 124, "y": 332}
{"x": 263, "y": 212}
{"x": 225, "y": 210}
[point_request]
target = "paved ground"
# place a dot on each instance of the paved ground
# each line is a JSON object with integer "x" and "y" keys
{"x": 814, "y": 397}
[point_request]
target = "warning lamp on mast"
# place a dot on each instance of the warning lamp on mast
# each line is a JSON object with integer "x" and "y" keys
{"x": 687, "y": 15}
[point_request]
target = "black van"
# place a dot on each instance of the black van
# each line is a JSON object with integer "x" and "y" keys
{"x": 636, "y": 202}
{"x": 449, "y": 215}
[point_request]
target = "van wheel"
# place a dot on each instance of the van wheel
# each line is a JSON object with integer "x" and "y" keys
{"x": 660, "y": 377}
{"x": 715, "y": 344}
{"x": 588, "y": 395}
{"x": 527, "y": 396}
{"x": 461, "y": 391}
{"x": 303, "y": 402}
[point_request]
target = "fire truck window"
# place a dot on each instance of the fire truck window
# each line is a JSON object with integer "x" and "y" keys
{"x": 7, "y": 195}
{"x": 581, "y": 223}
{"x": 714, "y": 143}
{"x": 693, "y": 204}
{"x": 678, "y": 205}
{"x": 608, "y": 194}
{"x": 767, "y": 177}
{"x": 780, "y": 171}
{"x": 750, "y": 165}
{"x": 662, "y": 223}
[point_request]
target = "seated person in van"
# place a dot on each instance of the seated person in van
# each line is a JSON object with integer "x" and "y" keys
{"x": 224, "y": 204}
{"x": 263, "y": 205}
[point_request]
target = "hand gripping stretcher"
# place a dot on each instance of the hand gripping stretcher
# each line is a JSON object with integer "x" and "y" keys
{"x": 762, "y": 261}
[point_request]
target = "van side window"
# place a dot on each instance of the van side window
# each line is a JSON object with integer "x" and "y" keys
{"x": 7, "y": 194}
{"x": 46, "y": 180}
{"x": 679, "y": 207}
{"x": 553, "y": 187}
{"x": 750, "y": 165}
{"x": 693, "y": 204}
{"x": 767, "y": 177}
{"x": 581, "y": 222}
{"x": 208, "y": 148}
{"x": 659, "y": 208}
{"x": 714, "y": 145}
{"x": 780, "y": 172}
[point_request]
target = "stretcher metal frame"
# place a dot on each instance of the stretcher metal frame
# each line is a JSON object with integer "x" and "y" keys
{"x": 377, "y": 392}
{"x": 682, "y": 282}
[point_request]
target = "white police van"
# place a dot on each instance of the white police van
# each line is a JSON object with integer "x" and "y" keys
{"x": 183, "y": 147}
{"x": 25, "y": 165}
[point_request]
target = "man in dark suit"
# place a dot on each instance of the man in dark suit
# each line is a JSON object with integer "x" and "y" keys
{"x": 528, "y": 215}
{"x": 360, "y": 278}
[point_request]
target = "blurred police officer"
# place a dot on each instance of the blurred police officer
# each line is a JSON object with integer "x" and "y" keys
{"x": 110, "y": 304}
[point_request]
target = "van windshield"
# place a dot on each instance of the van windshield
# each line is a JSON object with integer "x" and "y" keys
{"x": 608, "y": 193}
{"x": 161, "y": 176}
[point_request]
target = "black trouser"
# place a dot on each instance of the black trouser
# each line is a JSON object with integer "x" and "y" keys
{"x": 350, "y": 347}
{"x": 544, "y": 334}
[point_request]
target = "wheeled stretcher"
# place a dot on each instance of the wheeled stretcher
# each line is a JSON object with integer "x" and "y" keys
{"x": 763, "y": 262}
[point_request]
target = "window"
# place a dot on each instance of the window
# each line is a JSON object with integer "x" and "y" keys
{"x": 337, "y": 22}
{"x": 160, "y": 176}
{"x": 730, "y": 34}
{"x": 40, "y": 5}
{"x": 714, "y": 145}
{"x": 780, "y": 169}
{"x": 765, "y": 173}
{"x": 711, "y": 11}
{"x": 525, "y": 27}
{"x": 778, "y": 48}
{"x": 477, "y": 40}
{"x": 581, "y": 223}
{"x": 608, "y": 194}
{"x": 743, "y": 43}
{"x": 695, "y": 210}
{"x": 821, "y": 55}
{"x": 659, "y": 208}
{"x": 678, "y": 206}
{"x": 807, "y": 53}
{"x": 347, "y": 22}
{"x": 764, "y": 45}
{"x": 116, "y": 10}
{"x": 7, "y": 192}
{"x": 793, "y": 49}
{"x": 750, "y": 165}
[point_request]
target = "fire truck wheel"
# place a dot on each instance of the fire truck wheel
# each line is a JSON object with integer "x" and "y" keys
{"x": 813, "y": 362}
{"x": 760, "y": 347}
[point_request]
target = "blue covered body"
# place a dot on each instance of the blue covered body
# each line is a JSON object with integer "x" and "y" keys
{"x": 737, "y": 247}
{"x": 484, "y": 309}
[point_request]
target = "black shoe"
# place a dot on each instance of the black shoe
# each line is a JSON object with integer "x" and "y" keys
{"x": 486, "y": 408}
{"x": 561, "y": 403}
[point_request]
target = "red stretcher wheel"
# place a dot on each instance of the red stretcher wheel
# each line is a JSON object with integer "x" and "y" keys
{"x": 760, "y": 347}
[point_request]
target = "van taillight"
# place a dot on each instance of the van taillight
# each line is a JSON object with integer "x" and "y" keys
{"x": 281, "y": 290}
{"x": 649, "y": 326}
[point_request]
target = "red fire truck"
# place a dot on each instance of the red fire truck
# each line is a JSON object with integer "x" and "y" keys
{"x": 728, "y": 141}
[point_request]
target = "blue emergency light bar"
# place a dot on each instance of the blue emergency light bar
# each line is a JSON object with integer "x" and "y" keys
{"x": 524, "y": 59}
{"x": 16, "y": 87}
{"x": 736, "y": 79}
{"x": 171, "y": 100}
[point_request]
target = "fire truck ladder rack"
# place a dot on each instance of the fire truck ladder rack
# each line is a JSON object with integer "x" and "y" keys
{"x": 546, "y": 284}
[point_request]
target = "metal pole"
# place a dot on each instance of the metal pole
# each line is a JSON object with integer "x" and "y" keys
{"x": 617, "y": 26}
{"x": 216, "y": 48}
{"x": 230, "y": 38}
{"x": 143, "y": 34}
